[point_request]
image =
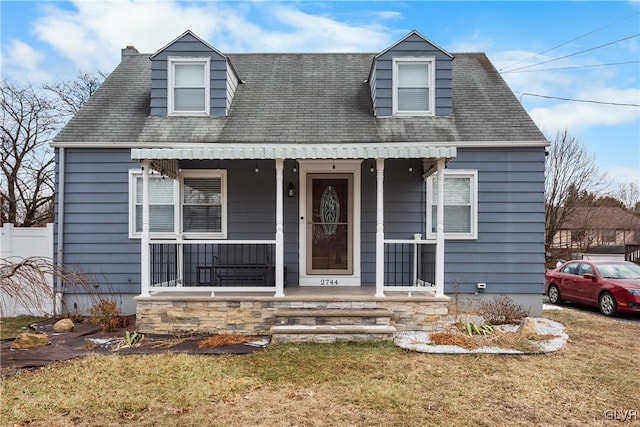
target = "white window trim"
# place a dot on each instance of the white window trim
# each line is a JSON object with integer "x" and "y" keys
{"x": 208, "y": 173}
{"x": 462, "y": 173}
{"x": 134, "y": 174}
{"x": 432, "y": 85}
{"x": 177, "y": 202}
{"x": 171, "y": 61}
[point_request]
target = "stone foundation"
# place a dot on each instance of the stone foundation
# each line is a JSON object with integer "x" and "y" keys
{"x": 255, "y": 315}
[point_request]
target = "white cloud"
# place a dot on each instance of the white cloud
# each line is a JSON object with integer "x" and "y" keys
{"x": 624, "y": 175}
{"x": 578, "y": 115}
{"x": 92, "y": 34}
{"x": 471, "y": 43}
{"x": 388, "y": 14}
{"x": 312, "y": 33}
{"x": 23, "y": 62}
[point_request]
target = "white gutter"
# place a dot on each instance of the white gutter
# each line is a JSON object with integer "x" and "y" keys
{"x": 254, "y": 145}
{"x": 58, "y": 287}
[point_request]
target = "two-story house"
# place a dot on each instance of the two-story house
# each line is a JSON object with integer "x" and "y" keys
{"x": 225, "y": 191}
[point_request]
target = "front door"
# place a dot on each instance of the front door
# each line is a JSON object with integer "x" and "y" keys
{"x": 329, "y": 225}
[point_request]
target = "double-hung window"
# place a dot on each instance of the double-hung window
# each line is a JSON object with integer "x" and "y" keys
{"x": 194, "y": 205}
{"x": 413, "y": 86}
{"x": 203, "y": 203}
{"x": 188, "y": 91}
{"x": 460, "y": 204}
{"x": 162, "y": 204}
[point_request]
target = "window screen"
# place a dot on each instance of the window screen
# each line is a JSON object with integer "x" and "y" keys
{"x": 189, "y": 87}
{"x": 413, "y": 86}
{"x": 202, "y": 205}
{"x": 457, "y": 205}
{"x": 161, "y": 207}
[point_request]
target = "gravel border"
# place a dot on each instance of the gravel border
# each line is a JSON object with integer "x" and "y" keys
{"x": 420, "y": 341}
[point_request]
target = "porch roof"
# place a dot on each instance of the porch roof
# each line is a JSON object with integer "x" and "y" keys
{"x": 296, "y": 151}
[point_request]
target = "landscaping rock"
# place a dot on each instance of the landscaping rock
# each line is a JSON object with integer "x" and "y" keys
{"x": 64, "y": 325}
{"x": 527, "y": 327}
{"x": 27, "y": 340}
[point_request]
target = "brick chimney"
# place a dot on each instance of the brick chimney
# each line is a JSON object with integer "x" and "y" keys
{"x": 129, "y": 50}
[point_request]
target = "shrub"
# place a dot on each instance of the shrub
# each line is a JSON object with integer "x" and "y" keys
{"x": 501, "y": 310}
{"x": 106, "y": 314}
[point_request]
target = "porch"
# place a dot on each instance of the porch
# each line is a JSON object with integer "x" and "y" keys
{"x": 318, "y": 314}
{"x": 295, "y": 247}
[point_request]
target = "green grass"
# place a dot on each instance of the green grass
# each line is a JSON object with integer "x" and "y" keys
{"x": 11, "y": 327}
{"x": 341, "y": 384}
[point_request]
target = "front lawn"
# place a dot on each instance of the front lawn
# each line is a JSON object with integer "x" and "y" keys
{"x": 589, "y": 382}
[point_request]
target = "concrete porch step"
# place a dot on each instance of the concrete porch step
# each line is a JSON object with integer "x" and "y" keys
{"x": 334, "y": 312}
{"x": 333, "y": 316}
{"x": 331, "y": 333}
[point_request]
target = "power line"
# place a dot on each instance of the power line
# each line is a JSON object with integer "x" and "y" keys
{"x": 574, "y": 54}
{"x": 570, "y": 41}
{"x": 577, "y": 100}
{"x": 572, "y": 68}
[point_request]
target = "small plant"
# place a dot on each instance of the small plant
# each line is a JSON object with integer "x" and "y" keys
{"x": 106, "y": 314}
{"x": 472, "y": 328}
{"x": 133, "y": 338}
{"x": 501, "y": 310}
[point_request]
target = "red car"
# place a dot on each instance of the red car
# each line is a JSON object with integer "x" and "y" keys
{"x": 612, "y": 286}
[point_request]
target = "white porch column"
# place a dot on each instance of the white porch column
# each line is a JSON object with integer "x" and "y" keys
{"x": 279, "y": 230}
{"x": 440, "y": 231}
{"x": 145, "y": 279}
{"x": 379, "y": 228}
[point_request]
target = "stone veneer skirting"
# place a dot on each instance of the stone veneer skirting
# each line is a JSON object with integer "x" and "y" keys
{"x": 255, "y": 315}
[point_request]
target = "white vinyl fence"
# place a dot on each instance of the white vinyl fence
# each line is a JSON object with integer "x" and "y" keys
{"x": 17, "y": 243}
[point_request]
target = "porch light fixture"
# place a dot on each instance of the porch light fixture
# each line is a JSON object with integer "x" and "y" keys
{"x": 291, "y": 190}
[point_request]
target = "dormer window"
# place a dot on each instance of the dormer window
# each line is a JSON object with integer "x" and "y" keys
{"x": 413, "y": 86}
{"x": 188, "y": 91}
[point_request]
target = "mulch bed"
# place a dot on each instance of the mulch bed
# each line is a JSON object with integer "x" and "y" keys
{"x": 87, "y": 339}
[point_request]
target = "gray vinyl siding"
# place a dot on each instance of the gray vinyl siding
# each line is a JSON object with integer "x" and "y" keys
{"x": 232, "y": 85}
{"x": 96, "y": 215}
{"x": 189, "y": 46}
{"x": 404, "y": 208}
{"x": 368, "y": 223}
{"x": 251, "y": 196}
{"x": 509, "y": 253}
{"x": 412, "y": 46}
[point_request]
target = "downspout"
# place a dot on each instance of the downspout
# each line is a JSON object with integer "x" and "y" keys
{"x": 58, "y": 284}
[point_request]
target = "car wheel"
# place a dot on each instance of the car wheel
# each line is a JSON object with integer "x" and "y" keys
{"x": 554, "y": 295}
{"x": 607, "y": 304}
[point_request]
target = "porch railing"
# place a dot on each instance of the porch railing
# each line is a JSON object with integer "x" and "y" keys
{"x": 205, "y": 265}
{"x": 249, "y": 265}
{"x": 409, "y": 264}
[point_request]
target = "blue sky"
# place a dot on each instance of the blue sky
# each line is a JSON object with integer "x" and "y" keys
{"x": 45, "y": 41}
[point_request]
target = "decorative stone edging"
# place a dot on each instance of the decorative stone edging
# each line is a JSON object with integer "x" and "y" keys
{"x": 420, "y": 341}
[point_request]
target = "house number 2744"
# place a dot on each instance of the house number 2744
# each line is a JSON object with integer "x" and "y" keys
{"x": 328, "y": 282}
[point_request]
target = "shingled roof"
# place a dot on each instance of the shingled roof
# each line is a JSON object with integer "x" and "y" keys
{"x": 302, "y": 98}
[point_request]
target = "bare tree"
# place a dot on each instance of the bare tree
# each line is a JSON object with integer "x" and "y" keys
{"x": 569, "y": 170}
{"x": 30, "y": 119}
{"x": 629, "y": 194}
{"x": 74, "y": 93}
{"x": 28, "y": 122}
{"x": 26, "y": 282}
